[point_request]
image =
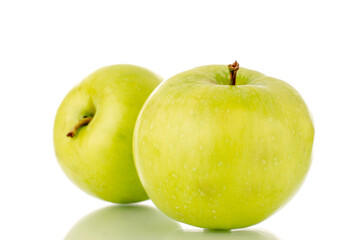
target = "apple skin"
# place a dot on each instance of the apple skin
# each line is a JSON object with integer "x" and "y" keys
{"x": 99, "y": 158}
{"x": 123, "y": 222}
{"x": 222, "y": 156}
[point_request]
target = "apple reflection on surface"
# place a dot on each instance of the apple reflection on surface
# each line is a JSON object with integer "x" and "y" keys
{"x": 138, "y": 222}
{"x": 134, "y": 222}
{"x": 221, "y": 235}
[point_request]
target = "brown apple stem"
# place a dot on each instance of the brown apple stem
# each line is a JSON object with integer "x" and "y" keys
{"x": 83, "y": 122}
{"x": 233, "y": 68}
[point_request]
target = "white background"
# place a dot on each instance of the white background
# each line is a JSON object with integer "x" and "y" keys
{"x": 46, "y": 47}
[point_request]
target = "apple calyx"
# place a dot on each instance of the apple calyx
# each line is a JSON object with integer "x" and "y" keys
{"x": 83, "y": 122}
{"x": 233, "y": 68}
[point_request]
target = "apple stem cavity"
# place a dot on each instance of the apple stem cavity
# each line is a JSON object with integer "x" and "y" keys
{"x": 233, "y": 68}
{"x": 83, "y": 122}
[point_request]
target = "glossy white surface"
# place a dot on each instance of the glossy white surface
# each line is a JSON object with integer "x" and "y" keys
{"x": 47, "y": 47}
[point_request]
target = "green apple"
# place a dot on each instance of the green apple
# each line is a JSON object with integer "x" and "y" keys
{"x": 123, "y": 222}
{"x": 221, "y": 147}
{"x": 93, "y": 132}
{"x": 223, "y": 235}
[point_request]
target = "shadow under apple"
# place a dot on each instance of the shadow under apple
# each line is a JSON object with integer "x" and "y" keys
{"x": 123, "y": 222}
{"x": 221, "y": 235}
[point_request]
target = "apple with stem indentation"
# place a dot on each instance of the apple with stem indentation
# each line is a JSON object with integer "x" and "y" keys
{"x": 93, "y": 131}
{"x": 222, "y": 147}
